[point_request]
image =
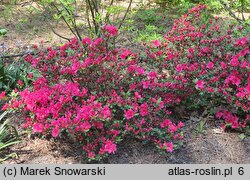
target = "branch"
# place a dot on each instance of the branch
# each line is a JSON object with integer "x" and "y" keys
{"x": 93, "y": 16}
{"x": 16, "y": 55}
{"x": 108, "y": 14}
{"x": 125, "y": 15}
{"x": 68, "y": 39}
{"x": 73, "y": 21}
{"x": 231, "y": 13}
{"x": 65, "y": 20}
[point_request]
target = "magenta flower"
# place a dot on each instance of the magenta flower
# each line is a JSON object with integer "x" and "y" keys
{"x": 129, "y": 114}
{"x": 144, "y": 109}
{"x": 169, "y": 146}
{"x": 20, "y": 83}
{"x": 86, "y": 41}
{"x": 200, "y": 84}
{"x": 106, "y": 112}
{"x": 137, "y": 95}
{"x": 55, "y": 132}
{"x": 234, "y": 62}
{"x": 210, "y": 65}
{"x": 152, "y": 75}
{"x": 85, "y": 126}
{"x": 2, "y": 95}
{"x": 125, "y": 53}
{"x": 38, "y": 127}
{"x": 30, "y": 75}
{"x": 5, "y": 107}
{"x": 157, "y": 43}
{"x": 112, "y": 30}
{"x": 166, "y": 123}
{"x": 109, "y": 147}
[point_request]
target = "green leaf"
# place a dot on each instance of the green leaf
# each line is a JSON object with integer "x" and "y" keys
{"x": 242, "y": 136}
{"x": 3, "y": 32}
{"x": 158, "y": 102}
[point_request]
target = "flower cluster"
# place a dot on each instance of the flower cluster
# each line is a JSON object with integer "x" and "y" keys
{"x": 209, "y": 62}
{"x": 98, "y": 94}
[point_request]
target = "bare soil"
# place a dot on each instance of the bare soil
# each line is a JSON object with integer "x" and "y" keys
{"x": 211, "y": 146}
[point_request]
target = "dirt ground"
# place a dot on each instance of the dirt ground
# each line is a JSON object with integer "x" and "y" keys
{"x": 213, "y": 145}
{"x": 211, "y": 148}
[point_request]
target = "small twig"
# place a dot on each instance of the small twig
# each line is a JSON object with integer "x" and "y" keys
{"x": 73, "y": 21}
{"x": 93, "y": 16}
{"x": 16, "y": 55}
{"x": 65, "y": 20}
{"x": 125, "y": 15}
{"x": 59, "y": 34}
{"x": 88, "y": 20}
{"x": 108, "y": 14}
{"x": 95, "y": 4}
{"x": 231, "y": 13}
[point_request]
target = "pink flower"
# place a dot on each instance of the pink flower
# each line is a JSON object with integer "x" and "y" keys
{"x": 248, "y": 89}
{"x": 35, "y": 46}
{"x": 137, "y": 95}
{"x": 180, "y": 125}
{"x": 205, "y": 50}
{"x": 129, "y": 114}
{"x": 169, "y": 146}
{"x": 125, "y": 53}
{"x": 152, "y": 75}
{"x": 240, "y": 94}
{"x": 85, "y": 126}
{"x": 166, "y": 123}
{"x": 219, "y": 114}
{"x": 200, "y": 84}
{"x": 191, "y": 50}
{"x": 112, "y": 30}
{"x": 86, "y": 41}
{"x": 132, "y": 86}
{"x": 106, "y": 112}
{"x": 180, "y": 67}
{"x": 234, "y": 79}
{"x": 37, "y": 127}
{"x": 241, "y": 41}
{"x": 243, "y": 64}
{"x": 145, "y": 84}
{"x": 30, "y": 75}
{"x": 140, "y": 71}
{"x": 144, "y": 109}
{"x": 109, "y": 147}
{"x": 234, "y": 62}
{"x": 157, "y": 43}
{"x": 172, "y": 128}
{"x": 210, "y": 65}
{"x": 5, "y": 106}
{"x": 209, "y": 89}
{"x": 91, "y": 154}
{"x": 98, "y": 41}
{"x": 55, "y": 132}
{"x": 223, "y": 65}
{"x": 2, "y": 95}
{"x": 20, "y": 83}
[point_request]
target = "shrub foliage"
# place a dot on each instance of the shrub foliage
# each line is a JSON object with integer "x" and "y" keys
{"x": 97, "y": 94}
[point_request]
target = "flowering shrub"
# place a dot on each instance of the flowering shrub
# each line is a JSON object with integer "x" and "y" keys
{"x": 98, "y": 94}
{"x": 208, "y": 62}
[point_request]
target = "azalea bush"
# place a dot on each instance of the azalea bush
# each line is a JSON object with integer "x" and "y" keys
{"x": 97, "y": 94}
{"x": 210, "y": 63}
